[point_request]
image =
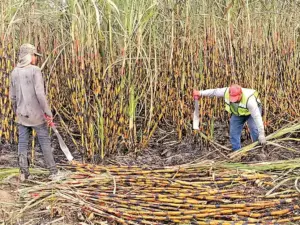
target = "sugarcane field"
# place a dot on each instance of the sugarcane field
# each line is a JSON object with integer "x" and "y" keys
{"x": 149, "y": 112}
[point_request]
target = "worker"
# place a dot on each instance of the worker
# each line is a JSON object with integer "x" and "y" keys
{"x": 244, "y": 106}
{"x": 30, "y": 106}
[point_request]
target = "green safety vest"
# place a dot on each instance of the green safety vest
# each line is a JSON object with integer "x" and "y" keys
{"x": 242, "y": 107}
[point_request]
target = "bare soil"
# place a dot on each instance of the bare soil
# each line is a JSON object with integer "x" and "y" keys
{"x": 7, "y": 202}
{"x": 164, "y": 150}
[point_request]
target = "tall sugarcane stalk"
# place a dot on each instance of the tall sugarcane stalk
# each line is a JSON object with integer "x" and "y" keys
{"x": 103, "y": 50}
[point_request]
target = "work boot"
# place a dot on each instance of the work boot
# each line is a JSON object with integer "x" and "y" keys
{"x": 23, "y": 163}
{"x": 59, "y": 175}
{"x": 25, "y": 176}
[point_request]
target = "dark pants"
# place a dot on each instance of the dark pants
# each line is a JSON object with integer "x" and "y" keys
{"x": 44, "y": 141}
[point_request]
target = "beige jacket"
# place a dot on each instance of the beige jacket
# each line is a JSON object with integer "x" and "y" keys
{"x": 28, "y": 95}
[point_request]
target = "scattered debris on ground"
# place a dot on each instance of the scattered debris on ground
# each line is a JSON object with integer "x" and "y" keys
{"x": 171, "y": 182}
{"x": 202, "y": 193}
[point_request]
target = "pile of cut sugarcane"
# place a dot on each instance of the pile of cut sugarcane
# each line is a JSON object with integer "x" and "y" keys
{"x": 204, "y": 193}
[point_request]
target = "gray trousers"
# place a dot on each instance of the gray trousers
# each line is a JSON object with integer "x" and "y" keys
{"x": 45, "y": 143}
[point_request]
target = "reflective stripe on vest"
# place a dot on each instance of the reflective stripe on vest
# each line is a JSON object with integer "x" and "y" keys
{"x": 242, "y": 107}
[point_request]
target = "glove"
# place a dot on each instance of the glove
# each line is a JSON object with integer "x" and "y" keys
{"x": 196, "y": 94}
{"x": 262, "y": 139}
{"x": 49, "y": 120}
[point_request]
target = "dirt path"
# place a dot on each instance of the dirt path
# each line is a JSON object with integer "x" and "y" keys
{"x": 7, "y": 202}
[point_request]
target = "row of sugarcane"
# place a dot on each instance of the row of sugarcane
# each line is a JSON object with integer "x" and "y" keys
{"x": 117, "y": 70}
{"x": 189, "y": 194}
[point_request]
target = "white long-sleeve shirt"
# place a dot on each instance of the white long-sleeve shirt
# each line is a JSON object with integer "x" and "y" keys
{"x": 252, "y": 105}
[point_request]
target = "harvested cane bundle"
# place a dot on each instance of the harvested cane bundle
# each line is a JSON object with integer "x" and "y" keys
{"x": 195, "y": 194}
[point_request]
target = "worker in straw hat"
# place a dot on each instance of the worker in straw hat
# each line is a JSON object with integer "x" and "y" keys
{"x": 244, "y": 106}
{"x": 30, "y": 106}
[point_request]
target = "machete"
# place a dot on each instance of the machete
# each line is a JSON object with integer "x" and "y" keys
{"x": 62, "y": 144}
{"x": 196, "y": 113}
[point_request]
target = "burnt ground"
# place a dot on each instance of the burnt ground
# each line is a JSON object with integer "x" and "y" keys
{"x": 164, "y": 150}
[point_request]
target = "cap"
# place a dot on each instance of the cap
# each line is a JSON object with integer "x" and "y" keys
{"x": 26, "y": 49}
{"x": 235, "y": 92}
{"x": 25, "y": 53}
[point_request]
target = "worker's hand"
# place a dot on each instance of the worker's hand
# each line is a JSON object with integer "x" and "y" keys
{"x": 262, "y": 139}
{"x": 196, "y": 94}
{"x": 49, "y": 120}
